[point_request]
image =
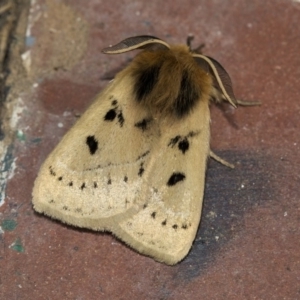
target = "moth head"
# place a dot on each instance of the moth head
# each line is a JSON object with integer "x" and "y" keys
{"x": 172, "y": 79}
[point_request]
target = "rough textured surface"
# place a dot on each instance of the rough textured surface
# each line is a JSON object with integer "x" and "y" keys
{"x": 249, "y": 239}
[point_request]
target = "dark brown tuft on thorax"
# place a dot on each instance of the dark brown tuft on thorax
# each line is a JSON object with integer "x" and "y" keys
{"x": 169, "y": 81}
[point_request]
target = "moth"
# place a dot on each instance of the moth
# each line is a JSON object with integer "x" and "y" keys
{"x": 134, "y": 163}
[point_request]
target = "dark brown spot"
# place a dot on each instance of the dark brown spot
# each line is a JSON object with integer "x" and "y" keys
{"x": 60, "y": 178}
{"x": 114, "y": 102}
{"x": 143, "y": 155}
{"x": 65, "y": 207}
{"x": 83, "y": 186}
{"x": 70, "y": 183}
{"x": 141, "y": 170}
{"x": 193, "y": 133}
{"x": 110, "y": 115}
{"x": 184, "y": 145}
{"x": 184, "y": 226}
{"x": 174, "y": 141}
{"x": 109, "y": 181}
{"x": 121, "y": 119}
{"x": 175, "y": 226}
{"x": 175, "y": 178}
{"x": 95, "y": 184}
{"x": 153, "y": 214}
{"x": 145, "y": 205}
{"x": 143, "y": 124}
{"x": 92, "y": 144}
{"x": 125, "y": 178}
{"x": 52, "y": 171}
{"x": 164, "y": 223}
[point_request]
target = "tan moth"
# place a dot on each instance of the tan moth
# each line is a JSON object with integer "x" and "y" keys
{"x": 134, "y": 163}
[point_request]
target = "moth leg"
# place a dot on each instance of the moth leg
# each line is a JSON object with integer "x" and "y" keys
{"x": 189, "y": 44}
{"x": 221, "y": 160}
{"x": 247, "y": 103}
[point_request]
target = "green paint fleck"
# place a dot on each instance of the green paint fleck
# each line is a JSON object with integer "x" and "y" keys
{"x": 8, "y": 225}
{"x": 17, "y": 245}
{"x": 36, "y": 140}
{"x": 20, "y": 135}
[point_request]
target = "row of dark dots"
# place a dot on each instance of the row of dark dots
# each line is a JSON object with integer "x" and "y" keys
{"x": 164, "y": 223}
{"x": 174, "y": 179}
{"x": 83, "y": 186}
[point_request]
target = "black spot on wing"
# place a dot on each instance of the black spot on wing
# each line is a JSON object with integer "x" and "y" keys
{"x": 83, "y": 186}
{"x": 95, "y": 184}
{"x": 114, "y": 102}
{"x": 153, "y": 214}
{"x": 125, "y": 178}
{"x": 143, "y": 155}
{"x": 60, "y": 178}
{"x": 174, "y": 141}
{"x": 52, "y": 171}
{"x": 164, "y": 223}
{"x": 109, "y": 181}
{"x": 188, "y": 95}
{"x": 175, "y": 178}
{"x": 175, "y": 226}
{"x": 143, "y": 124}
{"x": 70, "y": 183}
{"x": 92, "y": 144}
{"x": 193, "y": 133}
{"x": 182, "y": 141}
{"x": 145, "y": 81}
{"x": 110, "y": 115}
{"x": 121, "y": 118}
{"x": 183, "y": 145}
{"x": 141, "y": 170}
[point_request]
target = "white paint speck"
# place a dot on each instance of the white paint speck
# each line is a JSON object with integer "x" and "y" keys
{"x": 60, "y": 125}
{"x": 26, "y": 57}
{"x": 16, "y": 114}
{"x": 66, "y": 114}
{"x": 285, "y": 214}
